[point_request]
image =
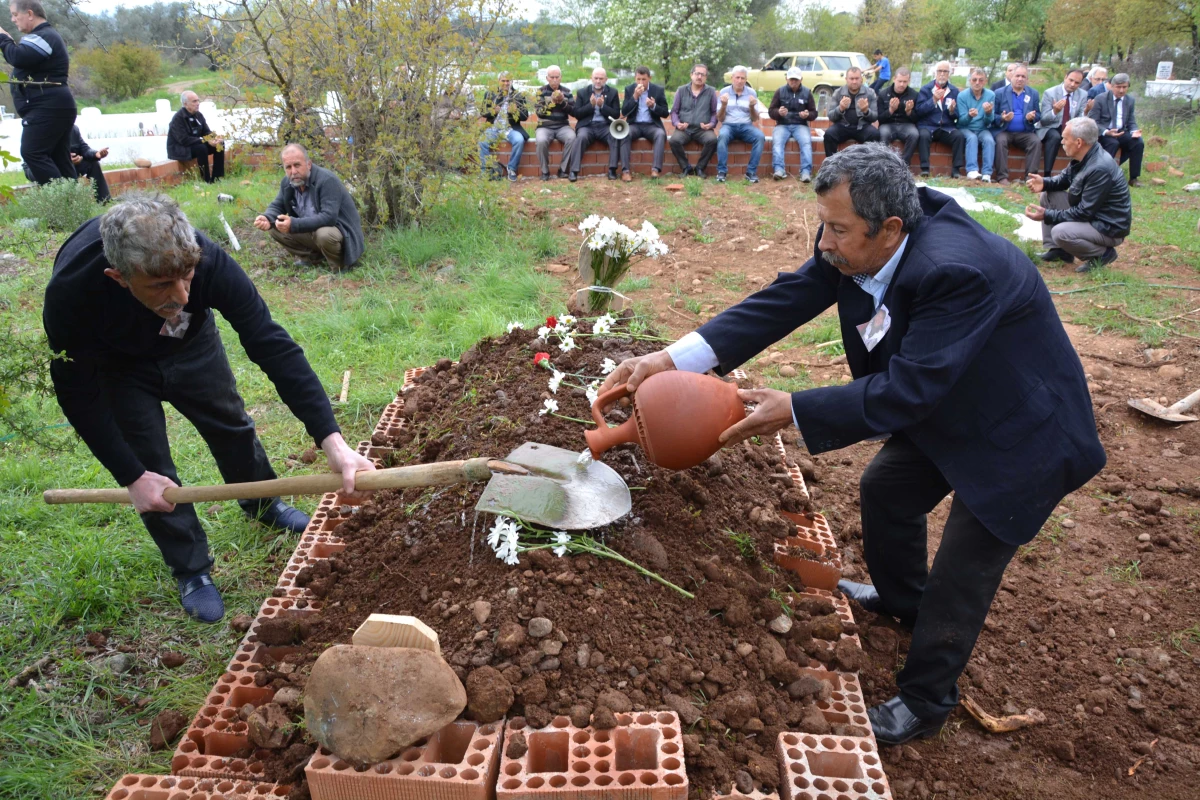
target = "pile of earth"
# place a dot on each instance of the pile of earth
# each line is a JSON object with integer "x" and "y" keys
{"x": 580, "y": 635}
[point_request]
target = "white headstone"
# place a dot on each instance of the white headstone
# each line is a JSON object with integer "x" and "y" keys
{"x": 162, "y": 106}
{"x": 533, "y": 64}
{"x": 962, "y": 52}
{"x": 1165, "y": 68}
{"x": 208, "y": 107}
{"x": 90, "y": 111}
{"x": 1004, "y": 55}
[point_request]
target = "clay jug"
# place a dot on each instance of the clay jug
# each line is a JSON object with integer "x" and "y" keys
{"x": 677, "y": 417}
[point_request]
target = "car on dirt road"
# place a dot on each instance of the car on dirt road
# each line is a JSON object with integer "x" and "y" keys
{"x": 824, "y": 71}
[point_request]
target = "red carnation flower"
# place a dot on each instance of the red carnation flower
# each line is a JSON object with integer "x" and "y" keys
{"x": 551, "y": 322}
{"x": 540, "y": 357}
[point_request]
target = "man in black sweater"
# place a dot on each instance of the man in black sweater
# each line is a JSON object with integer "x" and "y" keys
{"x": 130, "y": 305}
{"x": 897, "y": 122}
{"x": 40, "y": 93}
{"x": 645, "y": 108}
{"x": 87, "y": 163}
{"x": 189, "y": 136}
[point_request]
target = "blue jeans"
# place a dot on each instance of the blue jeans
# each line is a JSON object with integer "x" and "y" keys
{"x": 514, "y": 138}
{"x": 743, "y": 132}
{"x": 779, "y": 140}
{"x": 973, "y": 140}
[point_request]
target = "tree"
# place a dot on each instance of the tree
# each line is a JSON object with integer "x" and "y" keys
{"x": 672, "y": 32}
{"x": 581, "y": 17}
{"x": 376, "y": 88}
{"x": 123, "y": 70}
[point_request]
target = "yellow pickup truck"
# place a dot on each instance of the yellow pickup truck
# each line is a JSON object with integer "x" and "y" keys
{"x": 824, "y": 71}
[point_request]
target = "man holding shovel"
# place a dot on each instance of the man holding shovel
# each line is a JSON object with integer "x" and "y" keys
{"x": 130, "y": 306}
{"x": 938, "y": 343}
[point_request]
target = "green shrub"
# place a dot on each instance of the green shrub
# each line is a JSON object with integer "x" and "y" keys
{"x": 126, "y": 70}
{"x": 61, "y": 205}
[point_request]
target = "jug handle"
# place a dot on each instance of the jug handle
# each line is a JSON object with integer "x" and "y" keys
{"x": 615, "y": 393}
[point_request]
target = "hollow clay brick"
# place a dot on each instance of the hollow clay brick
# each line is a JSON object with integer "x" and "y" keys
{"x": 640, "y": 759}
{"x": 793, "y": 471}
{"x": 754, "y": 794}
{"x": 171, "y": 787}
{"x": 823, "y": 574}
{"x": 459, "y": 762}
{"x": 844, "y": 767}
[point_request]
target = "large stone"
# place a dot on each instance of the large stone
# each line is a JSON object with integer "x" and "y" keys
{"x": 489, "y": 695}
{"x": 365, "y": 704}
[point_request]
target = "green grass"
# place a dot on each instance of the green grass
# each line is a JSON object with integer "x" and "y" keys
{"x": 419, "y": 295}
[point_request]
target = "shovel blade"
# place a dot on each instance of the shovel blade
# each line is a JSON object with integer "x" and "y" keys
{"x": 560, "y": 493}
{"x": 1157, "y": 410}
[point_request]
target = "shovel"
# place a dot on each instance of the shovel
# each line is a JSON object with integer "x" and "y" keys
{"x": 536, "y": 483}
{"x": 1172, "y": 413}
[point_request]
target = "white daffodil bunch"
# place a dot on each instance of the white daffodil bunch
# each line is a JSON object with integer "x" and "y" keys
{"x": 615, "y": 248}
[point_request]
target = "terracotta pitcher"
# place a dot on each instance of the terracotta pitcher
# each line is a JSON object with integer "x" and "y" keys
{"x": 677, "y": 417}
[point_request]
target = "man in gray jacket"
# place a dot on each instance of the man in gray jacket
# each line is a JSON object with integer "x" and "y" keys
{"x": 1060, "y": 105}
{"x": 313, "y": 216}
{"x": 851, "y": 113}
{"x": 1085, "y": 210}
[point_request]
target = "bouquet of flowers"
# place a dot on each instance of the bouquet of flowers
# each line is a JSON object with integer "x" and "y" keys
{"x": 608, "y": 252}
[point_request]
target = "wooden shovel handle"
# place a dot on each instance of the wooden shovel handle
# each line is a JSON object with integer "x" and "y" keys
{"x": 437, "y": 474}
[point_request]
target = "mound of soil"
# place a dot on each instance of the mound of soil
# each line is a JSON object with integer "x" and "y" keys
{"x": 580, "y": 635}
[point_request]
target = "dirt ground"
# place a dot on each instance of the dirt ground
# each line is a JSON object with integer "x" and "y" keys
{"x": 1097, "y": 624}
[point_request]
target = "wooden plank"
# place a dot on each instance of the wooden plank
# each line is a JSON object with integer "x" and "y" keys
{"x": 392, "y": 630}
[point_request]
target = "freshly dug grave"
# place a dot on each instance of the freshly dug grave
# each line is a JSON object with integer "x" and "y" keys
{"x": 580, "y": 635}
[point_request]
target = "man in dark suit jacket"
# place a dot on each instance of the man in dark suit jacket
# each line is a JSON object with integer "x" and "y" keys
{"x": 313, "y": 216}
{"x": 937, "y": 317}
{"x": 1017, "y": 113}
{"x": 1006, "y": 80}
{"x": 595, "y": 107}
{"x": 645, "y": 107}
{"x": 937, "y": 120}
{"x": 1113, "y": 113}
{"x": 190, "y": 137}
{"x": 87, "y": 163}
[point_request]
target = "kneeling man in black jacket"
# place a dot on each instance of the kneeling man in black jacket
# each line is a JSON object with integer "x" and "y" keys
{"x": 1085, "y": 210}
{"x": 937, "y": 318}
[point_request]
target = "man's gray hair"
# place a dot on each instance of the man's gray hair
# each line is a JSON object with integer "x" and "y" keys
{"x": 554, "y": 66}
{"x": 881, "y": 185}
{"x": 147, "y": 232}
{"x": 737, "y": 69}
{"x": 978, "y": 71}
{"x": 21, "y": 6}
{"x": 903, "y": 71}
{"x": 183, "y": 96}
{"x": 1086, "y": 129}
{"x": 294, "y": 146}
{"x": 1120, "y": 79}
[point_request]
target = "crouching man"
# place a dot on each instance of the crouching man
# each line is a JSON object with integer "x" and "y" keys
{"x": 130, "y": 304}
{"x": 313, "y": 216}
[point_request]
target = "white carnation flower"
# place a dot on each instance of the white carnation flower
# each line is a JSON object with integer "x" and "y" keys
{"x": 607, "y": 366}
{"x": 567, "y": 344}
{"x": 562, "y": 539}
{"x": 549, "y": 407}
{"x": 515, "y": 326}
{"x": 555, "y": 380}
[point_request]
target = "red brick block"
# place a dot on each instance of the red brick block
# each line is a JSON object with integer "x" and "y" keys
{"x": 640, "y": 759}
{"x": 169, "y": 787}
{"x": 814, "y": 536}
{"x": 459, "y": 762}
{"x": 831, "y": 767}
{"x": 793, "y": 471}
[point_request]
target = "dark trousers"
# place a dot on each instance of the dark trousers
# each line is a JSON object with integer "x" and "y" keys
{"x": 946, "y": 604}
{"x": 198, "y": 382}
{"x": 952, "y": 137}
{"x": 879, "y": 83}
{"x": 46, "y": 143}
{"x": 1027, "y": 141}
{"x": 1131, "y": 151}
{"x": 904, "y": 132}
{"x": 1050, "y": 145}
{"x": 584, "y": 136}
{"x": 90, "y": 168}
{"x": 693, "y": 133}
{"x": 644, "y": 130}
{"x": 201, "y": 151}
{"x": 837, "y": 133}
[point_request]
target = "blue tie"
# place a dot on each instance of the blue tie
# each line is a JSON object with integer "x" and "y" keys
{"x": 860, "y": 280}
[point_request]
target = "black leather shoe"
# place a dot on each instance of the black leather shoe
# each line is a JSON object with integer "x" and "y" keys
{"x": 1110, "y": 255}
{"x": 612, "y": 174}
{"x": 574, "y": 176}
{"x": 545, "y": 176}
{"x": 688, "y": 171}
{"x": 1057, "y": 254}
{"x": 894, "y": 724}
{"x": 281, "y": 516}
{"x": 699, "y": 173}
{"x": 862, "y": 593}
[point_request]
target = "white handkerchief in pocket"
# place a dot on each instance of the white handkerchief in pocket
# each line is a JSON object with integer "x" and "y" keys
{"x": 873, "y": 330}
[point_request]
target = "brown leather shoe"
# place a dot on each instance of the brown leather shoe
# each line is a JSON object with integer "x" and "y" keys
{"x": 626, "y": 176}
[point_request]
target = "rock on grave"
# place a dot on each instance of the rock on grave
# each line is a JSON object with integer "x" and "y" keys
{"x": 489, "y": 694}
{"x": 365, "y": 704}
{"x": 165, "y": 727}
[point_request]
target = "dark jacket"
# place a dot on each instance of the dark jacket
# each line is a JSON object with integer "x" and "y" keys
{"x": 694, "y": 110}
{"x": 185, "y": 131}
{"x": 1005, "y": 102}
{"x": 1098, "y": 193}
{"x": 886, "y": 117}
{"x": 932, "y": 115}
{"x": 584, "y": 110}
{"x": 40, "y": 56}
{"x": 1104, "y": 111}
{"x": 1000, "y": 84}
{"x": 334, "y": 205}
{"x": 99, "y": 324}
{"x": 551, "y": 115}
{"x": 852, "y": 117}
{"x": 661, "y": 110}
{"x": 81, "y": 148}
{"x": 1009, "y": 425}
{"x": 1098, "y": 90}
{"x": 518, "y": 112}
{"x": 786, "y": 105}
